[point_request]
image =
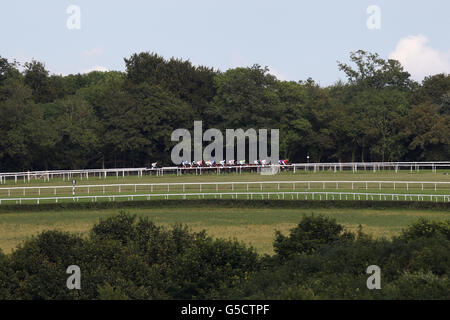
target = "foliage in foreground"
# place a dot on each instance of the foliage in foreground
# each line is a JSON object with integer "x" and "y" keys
{"x": 128, "y": 258}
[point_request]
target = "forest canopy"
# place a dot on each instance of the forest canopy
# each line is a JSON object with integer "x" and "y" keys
{"x": 125, "y": 119}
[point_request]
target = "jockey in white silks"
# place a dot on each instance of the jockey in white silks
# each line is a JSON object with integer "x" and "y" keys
{"x": 154, "y": 165}
{"x": 222, "y": 162}
{"x": 231, "y": 162}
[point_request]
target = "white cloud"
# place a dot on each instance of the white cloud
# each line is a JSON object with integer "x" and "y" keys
{"x": 95, "y": 68}
{"x": 280, "y": 76}
{"x": 419, "y": 58}
{"x": 92, "y": 52}
{"x": 237, "y": 60}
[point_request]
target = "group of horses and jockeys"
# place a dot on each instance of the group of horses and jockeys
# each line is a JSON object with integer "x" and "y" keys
{"x": 224, "y": 164}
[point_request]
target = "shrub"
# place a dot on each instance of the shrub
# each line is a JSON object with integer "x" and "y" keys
{"x": 311, "y": 233}
{"x": 426, "y": 228}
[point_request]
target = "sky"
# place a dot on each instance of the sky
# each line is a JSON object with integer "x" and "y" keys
{"x": 295, "y": 39}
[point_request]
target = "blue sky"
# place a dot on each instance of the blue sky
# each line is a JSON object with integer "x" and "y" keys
{"x": 295, "y": 39}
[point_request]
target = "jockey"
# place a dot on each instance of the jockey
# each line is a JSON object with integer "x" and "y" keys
{"x": 231, "y": 162}
{"x": 154, "y": 165}
{"x": 256, "y": 162}
{"x": 208, "y": 163}
{"x": 222, "y": 162}
{"x": 263, "y": 162}
{"x": 242, "y": 162}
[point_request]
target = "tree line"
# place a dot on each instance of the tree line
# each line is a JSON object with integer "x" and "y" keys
{"x": 124, "y": 257}
{"x": 125, "y": 119}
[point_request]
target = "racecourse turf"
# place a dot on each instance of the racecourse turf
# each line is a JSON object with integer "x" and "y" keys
{"x": 254, "y": 226}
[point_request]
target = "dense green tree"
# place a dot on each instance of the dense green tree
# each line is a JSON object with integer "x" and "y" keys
{"x": 124, "y": 119}
{"x": 37, "y": 78}
{"x": 295, "y": 127}
{"x": 194, "y": 85}
{"x": 16, "y": 112}
{"x": 427, "y": 133}
{"x": 78, "y": 140}
{"x": 371, "y": 71}
{"x": 435, "y": 88}
{"x": 246, "y": 98}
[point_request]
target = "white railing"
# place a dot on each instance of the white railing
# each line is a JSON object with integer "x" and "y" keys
{"x": 316, "y": 184}
{"x": 27, "y": 176}
{"x": 315, "y": 167}
{"x": 248, "y": 196}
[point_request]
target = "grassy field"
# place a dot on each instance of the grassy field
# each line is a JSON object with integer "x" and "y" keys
{"x": 15, "y": 190}
{"x": 254, "y": 226}
{"x": 386, "y": 175}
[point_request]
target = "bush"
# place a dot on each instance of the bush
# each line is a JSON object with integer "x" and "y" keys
{"x": 310, "y": 234}
{"x": 427, "y": 229}
{"x": 418, "y": 285}
{"x": 211, "y": 267}
{"x": 8, "y": 281}
{"x": 129, "y": 258}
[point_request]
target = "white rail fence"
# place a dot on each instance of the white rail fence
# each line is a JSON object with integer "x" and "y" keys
{"x": 244, "y": 196}
{"x": 314, "y": 167}
{"x": 201, "y": 186}
{"x": 27, "y": 176}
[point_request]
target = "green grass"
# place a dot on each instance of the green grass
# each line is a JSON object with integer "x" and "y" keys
{"x": 405, "y": 175}
{"x": 254, "y": 226}
{"x": 400, "y": 188}
{"x": 253, "y": 222}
